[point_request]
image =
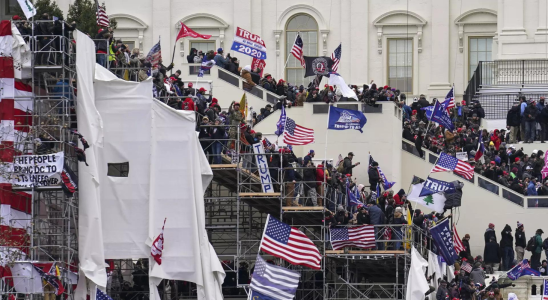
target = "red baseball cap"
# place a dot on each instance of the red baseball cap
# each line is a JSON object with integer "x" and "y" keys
{"x": 202, "y": 89}
{"x": 190, "y": 84}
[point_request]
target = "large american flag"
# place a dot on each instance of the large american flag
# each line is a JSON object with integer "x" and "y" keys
{"x": 359, "y": 236}
{"x": 154, "y": 55}
{"x": 101, "y": 14}
{"x": 297, "y": 50}
{"x": 290, "y": 244}
{"x": 297, "y": 135}
{"x": 450, "y": 99}
{"x": 457, "y": 242}
{"x": 336, "y": 58}
{"x": 447, "y": 163}
{"x": 273, "y": 281}
{"x": 466, "y": 267}
{"x": 102, "y": 296}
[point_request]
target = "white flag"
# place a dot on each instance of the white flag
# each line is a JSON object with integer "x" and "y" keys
{"x": 336, "y": 79}
{"x": 27, "y": 8}
{"x": 417, "y": 285}
{"x": 435, "y": 202}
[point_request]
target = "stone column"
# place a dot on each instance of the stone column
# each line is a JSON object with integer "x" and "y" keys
{"x": 162, "y": 27}
{"x": 542, "y": 29}
{"x": 512, "y": 21}
{"x": 439, "y": 63}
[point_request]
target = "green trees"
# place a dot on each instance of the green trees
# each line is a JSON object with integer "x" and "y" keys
{"x": 83, "y": 12}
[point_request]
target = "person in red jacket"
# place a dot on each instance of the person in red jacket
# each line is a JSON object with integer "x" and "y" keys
{"x": 320, "y": 180}
{"x": 400, "y": 198}
{"x": 188, "y": 104}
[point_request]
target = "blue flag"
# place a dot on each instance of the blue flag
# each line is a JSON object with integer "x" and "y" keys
{"x": 522, "y": 269}
{"x": 441, "y": 116}
{"x": 385, "y": 183}
{"x": 343, "y": 119}
{"x": 280, "y": 126}
{"x": 433, "y": 186}
{"x": 444, "y": 241}
{"x": 353, "y": 196}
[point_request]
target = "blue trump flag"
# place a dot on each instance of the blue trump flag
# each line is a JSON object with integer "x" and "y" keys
{"x": 433, "y": 186}
{"x": 343, "y": 119}
{"x": 353, "y": 196}
{"x": 444, "y": 241}
{"x": 441, "y": 116}
{"x": 522, "y": 269}
{"x": 385, "y": 183}
{"x": 280, "y": 126}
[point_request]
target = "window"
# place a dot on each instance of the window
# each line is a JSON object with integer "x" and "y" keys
{"x": 204, "y": 46}
{"x": 479, "y": 50}
{"x": 307, "y": 28}
{"x": 11, "y": 6}
{"x": 130, "y": 44}
{"x": 400, "y": 64}
{"x": 118, "y": 169}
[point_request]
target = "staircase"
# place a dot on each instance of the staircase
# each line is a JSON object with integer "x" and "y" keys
{"x": 498, "y": 84}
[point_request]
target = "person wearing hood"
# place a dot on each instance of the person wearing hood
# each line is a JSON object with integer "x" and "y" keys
{"x": 362, "y": 217}
{"x": 246, "y": 74}
{"x": 190, "y": 56}
{"x": 400, "y": 198}
{"x": 535, "y": 254}
{"x": 521, "y": 242}
{"x": 490, "y": 233}
{"x": 466, "y": 244}
{"x": 491, "y": 253}
{"x": 506, "y": 246}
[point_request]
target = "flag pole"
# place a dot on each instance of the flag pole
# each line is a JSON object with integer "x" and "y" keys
{"x": 287, "y": 60}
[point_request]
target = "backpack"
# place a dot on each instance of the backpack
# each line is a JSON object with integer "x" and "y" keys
{"x": 340, "y": 167}
{"x": 532, "y": 244}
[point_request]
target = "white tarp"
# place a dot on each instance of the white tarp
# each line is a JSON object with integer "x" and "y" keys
{"x": 90, "y": 124}
{"x": 168, "y": 173}
{"x": 417, "y": 285}
{"x": 26, "y": 279}
{"x": 434, "y": 269}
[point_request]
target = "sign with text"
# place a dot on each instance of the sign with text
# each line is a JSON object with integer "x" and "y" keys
{"x": 262, "y": 164}
{"x": 258, "y": 63}
{"x": 248, "y": 43}
{"x": 38, "y": 170}
{"x": 462, "y": 156}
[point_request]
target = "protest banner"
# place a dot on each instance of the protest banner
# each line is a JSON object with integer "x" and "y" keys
{"x": 262, "y": 164}
{"x": 37, "y": 170}
{"x": 249, "y": 44}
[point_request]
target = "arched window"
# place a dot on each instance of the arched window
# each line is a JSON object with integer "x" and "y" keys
{"x": 307, "y": 28}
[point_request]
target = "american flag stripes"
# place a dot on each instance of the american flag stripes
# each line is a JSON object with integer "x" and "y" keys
{"x": 466, "y": 267}
{"x": 447, "y": 163}
{"x": 457, "y": 242}
{"x": 297, "y": 50}
{"x": 154, "y": 55}
{"x": 102, "y": 17}
{"x": 158, "y": 246}
{"x": 359, "y": 236}
{"x": 336, "y": 58}
{"x": 274, "y": 282}
{"x": 99, "y": 295}
{"x": 450, "y": 99}
{"x": 297, "y": 135}
{"x": 290, "y": 244}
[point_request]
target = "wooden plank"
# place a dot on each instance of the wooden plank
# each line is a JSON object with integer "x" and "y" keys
{"x": 223, "y": 166}
{"x": 303, "y": 208}
{"x": 365, "y": 252}
{"x": 264, "y": 195}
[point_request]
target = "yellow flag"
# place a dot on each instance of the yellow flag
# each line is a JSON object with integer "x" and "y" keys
{"x": 57, "y": 272}
{"x": 243, "y": 106}
{"x": 409, "y": 231}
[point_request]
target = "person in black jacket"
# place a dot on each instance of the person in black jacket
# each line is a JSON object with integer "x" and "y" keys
{"x": 490, "y": 233}
{"x": 233, "y": 65}
{"x": 491, "y": 254}
{"x": 506, "y": 246}
{"x": 347, "y": 164}
{"x": 466, "y": 244}
{"x": 513, "y": 121}
{"x": 530, "y": 114}
{"x": 362, "y": 217}
{"x": 190, "y": 56}
{"x": 521, "y": 242}
{"x": 374, "y": 177}
{"x": 43, "y": 33}
{"x": 217, "y": 135}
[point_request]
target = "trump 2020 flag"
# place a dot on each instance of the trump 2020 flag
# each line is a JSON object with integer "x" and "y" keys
{"x": 158, "y": 246}
{"x": 440, "y": 115}
{"x": 522, "y": 269}
{"x": 343, "y": 119}
{"x": 444, "y": 241}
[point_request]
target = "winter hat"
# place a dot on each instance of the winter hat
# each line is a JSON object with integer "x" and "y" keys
{"x": 491, "y": 143}
{"x": 220, "y": 50}
{"x": 467, "y": 236}
{"x": 16, "y": 17}
{"x": 473, "y": 152}
{"x": 514, "y": 170}
{"x": 214, "y": 100}
{"x": 517, "y": 159}
{"x": 491, "y": 225}
{"x": 340, "y": 208}
{"x": 399, "y": 209}
{"x": 520, "y": 224}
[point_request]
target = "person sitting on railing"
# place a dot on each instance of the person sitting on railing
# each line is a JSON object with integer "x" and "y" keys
{"x": 220, "y": 60}
{"x": 281, "y": 88}
{"x": 248, "y": 84}
{"x": 313, "y": 95}
{"x": 233, "y": 66}
{"x": 343, "y": 217}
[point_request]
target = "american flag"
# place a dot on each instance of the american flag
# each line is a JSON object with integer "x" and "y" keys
{"x": 336, "y": 58}
{"x": 466, "y": 267}
{"x": 154, "y": 55}
{"x": 101, "y": 296}
{"x": 290, "y": 244}
{"x": 457, "y": 242}
{"x": 274, "y": 282}
{"x": 359, "y": 236}
{"x": 51, "y": 279}
{"x": 297, "y": 135}
{"x": 101, "y": 14}
{"x": 158, "y": 246}
{"x": 297, "y": 50}
{"x": 447, "y": 163}
{"x": 450, "y": 99}
{"x": 206, "y": 65}
{"x": 545, "y": 290}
